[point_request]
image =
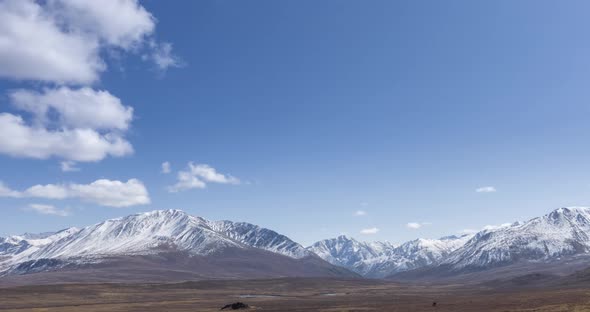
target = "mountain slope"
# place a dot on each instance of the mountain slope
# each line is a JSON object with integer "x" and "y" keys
{"x": 255, "y": 236}
{"x": 349, "y": 253}
{"x": 563, "y": 232}
{"x": 380, "y": 259}
{"x": 28, "y": 243}
{"x": 147, "y": 236}
{"x": 555, "y": 243}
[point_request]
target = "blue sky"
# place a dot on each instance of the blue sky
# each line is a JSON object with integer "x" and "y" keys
{"x": 307, "y": 112}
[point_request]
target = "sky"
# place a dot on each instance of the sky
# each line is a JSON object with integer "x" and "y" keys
{"x": 381, "y": 120}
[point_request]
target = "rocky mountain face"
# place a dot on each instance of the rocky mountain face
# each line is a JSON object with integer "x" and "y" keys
{"x": 563, "y": 232}
{"x": 151, "y": 234}
{"x": 350, "y": 253}
{"x": 176, "y": 240}
{"x": 560, "y": 234}
{"x": 380, "y": 259}
{"x": 255, "y": 236}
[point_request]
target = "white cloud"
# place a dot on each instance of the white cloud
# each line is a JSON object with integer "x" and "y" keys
{"x": 69, "y": 166}
{"x": 21, "y": 140}
{"x": 162, "y": 56}
{"x": 369, "y": 231}
{"x": 48, "y": 210}
{"x": 112, "y": 193}
{"x": 416, "y": 225}
{"x": 76, "y": 108}
{"x": 33, "y": 46}
{"x": 72, "y": 124}
{"x": 166, "y": 167}
{"x": 7, "y": 192}
{"x": 197, "y": 176}
{"x": 48, "y": 191}
{"x": 413, "y": 225}
{"x": 62, "y": 40}
{"x": 102, "y": 192}
{"x": 119, "y": 23}
{"x": 186, "y": 181}
{"x": 360, "y": 213}
{"x": 486, "y": 189}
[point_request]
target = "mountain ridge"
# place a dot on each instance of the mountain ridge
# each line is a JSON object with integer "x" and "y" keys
{"x": 562, "y": 233}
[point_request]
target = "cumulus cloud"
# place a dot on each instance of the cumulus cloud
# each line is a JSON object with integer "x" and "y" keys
{"x": 416, "y": 225}
{"x": 486, "y": 189}
{"x": 48, "y": 210}
{"x": 369, "y": 231}
{"x": 111, "y": 193}
{"x": 69, "y": 166}
{"x": 34, "y": 47}
{"x": 360, "y": 213}
{"x": 48, "y": 191}
{"x": 197, "y": 176}
{"x": 76, "y": 108}
{"x": 166, "y": 167}
{"x": 72, "y": 124}
{"x": 62, "y": 40}
{"x": 19, "y": 139}
{"x": 119, "y": 23}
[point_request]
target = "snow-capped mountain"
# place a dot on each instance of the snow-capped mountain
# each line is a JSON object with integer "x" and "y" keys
{"x": 380, "y": 259}
{"x": 563, "y": 232}
{"x": 255, "y": 236}
{"x": 350, "y": 253}
{"x": 144, "y": 234}
{"x": 179, "y": 242}
{"x": 426, "y": 252}
{"x": 17, "y": 244}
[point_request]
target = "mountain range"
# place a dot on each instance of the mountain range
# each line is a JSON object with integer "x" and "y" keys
{"x": 173, "y": 245}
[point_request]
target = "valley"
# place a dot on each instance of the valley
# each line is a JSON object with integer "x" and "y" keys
{"x": 290, "y": 294}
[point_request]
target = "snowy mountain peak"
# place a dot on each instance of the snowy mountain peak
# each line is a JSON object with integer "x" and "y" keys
{"x": 379, "y": 259}
{"x": 346, "y": 252}
{"x": 143, "y": 234}
{"x": 567, "y": 213}
{"x": 564, "y": 231}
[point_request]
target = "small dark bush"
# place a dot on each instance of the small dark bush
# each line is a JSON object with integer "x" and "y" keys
{"x": 236, "y": 306}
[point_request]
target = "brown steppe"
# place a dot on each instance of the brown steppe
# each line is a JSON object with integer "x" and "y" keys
{"x": 289, "y": 294}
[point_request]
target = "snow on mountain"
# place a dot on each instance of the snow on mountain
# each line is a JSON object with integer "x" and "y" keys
{"x": 379, "y": 259}
{"x": 144, "y": 234}
{"x": 565, "y": 231}
{"x": 426, "y": 252}
{"x": 16, "y": 244}
{"x": 349, "y": 253}
{"x": 255, "y": 236}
